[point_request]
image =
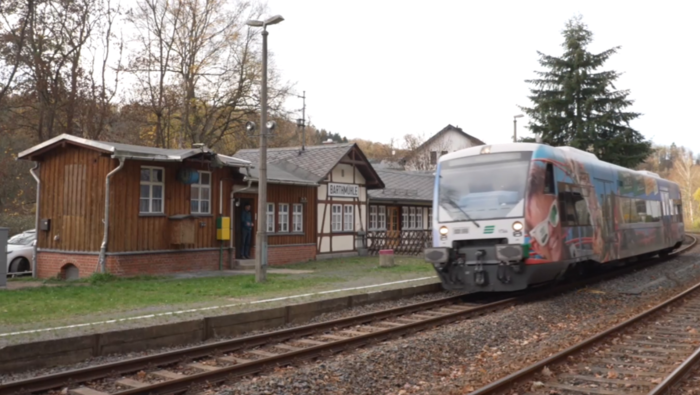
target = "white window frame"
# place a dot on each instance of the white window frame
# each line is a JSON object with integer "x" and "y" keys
{"x": 298, "y": 218}
{"x": 412, "y": 218}
{"x": 283, "y": 218}
{"x": 349, "y": 223}
{"x": 270, "y": 217}
{"x": 404, "y": 218}
{"x": 373, "y": 217}
{"x": 419, "y": 218}
{"x": 150, "y": 183}
{"x": 430, "y": 218}
{"x": 199, "y": 200}
{"x": 381, "y": 218}
{"x": 337, "y": 218}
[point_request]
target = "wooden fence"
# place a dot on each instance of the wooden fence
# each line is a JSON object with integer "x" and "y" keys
{"x": 406, "y": 242}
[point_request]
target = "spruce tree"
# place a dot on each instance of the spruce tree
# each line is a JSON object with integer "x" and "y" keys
{"x": 577, "y": 104}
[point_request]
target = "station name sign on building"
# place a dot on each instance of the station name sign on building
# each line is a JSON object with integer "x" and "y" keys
{"x": 343, "y": 190}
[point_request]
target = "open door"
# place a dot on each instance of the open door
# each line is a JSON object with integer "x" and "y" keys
{"x": 393, "y": 228}
{"x": 243, "y": 200}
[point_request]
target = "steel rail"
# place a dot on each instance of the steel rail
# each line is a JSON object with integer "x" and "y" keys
{"x": 513, "y": 378}
{"x": 677, "y": 375}
{"x": 57, "y": 380}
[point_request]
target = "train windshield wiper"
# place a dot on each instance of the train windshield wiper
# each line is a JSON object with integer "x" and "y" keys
{"x": 454, "y": 205}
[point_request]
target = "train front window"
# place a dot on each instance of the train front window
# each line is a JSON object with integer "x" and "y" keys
{"x": 485, "y": 186}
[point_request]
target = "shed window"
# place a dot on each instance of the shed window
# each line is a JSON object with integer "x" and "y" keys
{"x": 200, "y": 200}
{"x": 152, "y": 187}
{"x": 337, "y": 218}
{"x": 349, "y": 218}
{"x": 271, "y": 217}
{"x": 298, "y": 218}
{"x": 283, "y": 218}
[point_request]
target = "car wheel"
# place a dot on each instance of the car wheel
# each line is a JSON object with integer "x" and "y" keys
{"x": 19, "y": 265}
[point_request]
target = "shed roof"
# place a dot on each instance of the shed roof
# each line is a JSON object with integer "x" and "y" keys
{"x": 129, "y": 151}
{"x": 405, "y": 185}
{"x": 312, "y": 164}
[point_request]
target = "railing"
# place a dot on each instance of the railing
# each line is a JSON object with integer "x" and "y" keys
{"x": 405, "y": 242}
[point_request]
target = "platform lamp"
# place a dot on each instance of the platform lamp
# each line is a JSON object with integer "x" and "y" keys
{"x": 261, "y": 240}
{"x": 515, "y": 127}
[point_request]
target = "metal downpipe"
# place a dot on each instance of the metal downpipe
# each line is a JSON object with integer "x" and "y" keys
{"x": 36, "y": 221}
{"x": 103, "y": 248}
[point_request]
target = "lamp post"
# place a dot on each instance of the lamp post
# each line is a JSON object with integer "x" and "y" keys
{"x": 261, "y": 239}
{"x": 515, "y": 127}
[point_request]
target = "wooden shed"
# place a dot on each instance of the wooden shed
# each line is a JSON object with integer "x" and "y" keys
{"x": 162, "y": 207}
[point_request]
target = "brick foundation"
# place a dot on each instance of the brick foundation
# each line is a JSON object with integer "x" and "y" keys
{"x": 51, "y": 264}
{"x": 282, "y": 255}
{"x": 54, "y": 264}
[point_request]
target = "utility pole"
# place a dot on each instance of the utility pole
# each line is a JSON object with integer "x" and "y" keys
{"x": 515, "y": 127}
{"x": 302, "y": 122}
{"x": 261, "y": 239}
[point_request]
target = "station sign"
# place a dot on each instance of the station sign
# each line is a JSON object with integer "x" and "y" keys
{"x": 344, "y": 190}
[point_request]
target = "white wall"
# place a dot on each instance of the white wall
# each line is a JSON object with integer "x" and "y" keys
{"x": 449, "y": 141}
{"x": 341, "y": 174}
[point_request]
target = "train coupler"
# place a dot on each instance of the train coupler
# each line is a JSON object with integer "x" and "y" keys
{"x": 502, "y": 273}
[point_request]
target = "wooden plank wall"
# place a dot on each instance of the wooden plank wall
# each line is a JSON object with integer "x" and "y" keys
{"x": 72, "y": 197}
{"x": 130, "y": 231}
{"x": 292, "y": 194}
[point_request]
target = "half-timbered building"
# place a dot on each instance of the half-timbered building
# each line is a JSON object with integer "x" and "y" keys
{"x": 340, "y": 177}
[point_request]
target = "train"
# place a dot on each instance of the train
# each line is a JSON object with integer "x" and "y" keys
{"x": 510, "y": 216}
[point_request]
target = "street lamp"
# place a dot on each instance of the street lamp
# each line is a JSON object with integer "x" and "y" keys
{"x": 261, "y": 239}
{"x": 515, "y": 127}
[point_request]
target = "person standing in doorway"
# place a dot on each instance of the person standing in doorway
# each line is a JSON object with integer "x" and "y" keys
{"x": 247, "y": 229}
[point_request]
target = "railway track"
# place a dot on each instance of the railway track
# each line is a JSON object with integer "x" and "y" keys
{"x": 648, "y": 354}
{"x": 176, "y": 371}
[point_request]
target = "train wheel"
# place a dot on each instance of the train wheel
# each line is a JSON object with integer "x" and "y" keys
{"x": 664, "y": 253}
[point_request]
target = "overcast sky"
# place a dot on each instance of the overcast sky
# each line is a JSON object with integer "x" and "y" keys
{"x": 380, "y": 69}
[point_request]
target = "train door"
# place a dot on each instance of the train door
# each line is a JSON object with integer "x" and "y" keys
{"x": 606, "y": 199}
{"x": 666, "y": 214}
{"x": 393, "y": 229}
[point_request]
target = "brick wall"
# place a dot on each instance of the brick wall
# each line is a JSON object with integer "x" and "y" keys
{"x": 282, "y": 255}
{"x": 51, "y": 264}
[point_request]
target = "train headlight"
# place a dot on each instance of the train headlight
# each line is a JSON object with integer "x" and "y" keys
{"x": 443, "y": 230}
{"x": 517, "y": 226}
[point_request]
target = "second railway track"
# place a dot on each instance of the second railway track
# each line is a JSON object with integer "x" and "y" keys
{"x": 176, "y": 371}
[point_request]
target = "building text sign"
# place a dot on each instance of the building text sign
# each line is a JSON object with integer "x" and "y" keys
{"x": 343, "y": 190}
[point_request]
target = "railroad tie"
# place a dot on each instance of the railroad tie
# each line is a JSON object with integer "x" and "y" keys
{"x": 85, "y": 391}
{"x": 310, "y": 342}
{"x": 263, "y": 353}
{"x": 234, "y": 360}
{"x": 287, "y": 347}
{"x": 201, "y": 366}
{"x": 131, "y": 383}
{"x": 165, "y": 374}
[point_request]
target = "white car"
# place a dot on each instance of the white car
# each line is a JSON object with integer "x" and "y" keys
{"x": 20, "y": 252}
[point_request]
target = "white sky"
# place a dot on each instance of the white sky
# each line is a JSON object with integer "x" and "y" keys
{"x": 383, "y": 68}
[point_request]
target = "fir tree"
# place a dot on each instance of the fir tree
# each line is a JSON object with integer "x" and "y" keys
{"x": 577, "y": 104}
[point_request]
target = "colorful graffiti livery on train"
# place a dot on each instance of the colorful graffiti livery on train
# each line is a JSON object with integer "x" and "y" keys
{"x": 512, "y": 215}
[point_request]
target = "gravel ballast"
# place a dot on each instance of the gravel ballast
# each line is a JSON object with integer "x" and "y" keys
{"x": 458, "y": 358}
{"x": 461, "y": 357}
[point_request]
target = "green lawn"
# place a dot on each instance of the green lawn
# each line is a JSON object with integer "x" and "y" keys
{"x": 106, "y": 294}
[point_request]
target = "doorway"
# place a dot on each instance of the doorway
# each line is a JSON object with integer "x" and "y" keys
{"x": 241, "y": 204}
{"x": 393, "y": 228}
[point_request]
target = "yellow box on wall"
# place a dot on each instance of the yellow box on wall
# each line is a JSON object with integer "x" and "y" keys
{"x": 223, "y": 228}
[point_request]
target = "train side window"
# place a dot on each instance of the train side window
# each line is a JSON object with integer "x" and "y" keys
{"x": 634, "y": 211}
{"x": 549, "y": 180}
{"x": 653, "y": 210}
{"x": 582, "y": 214}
